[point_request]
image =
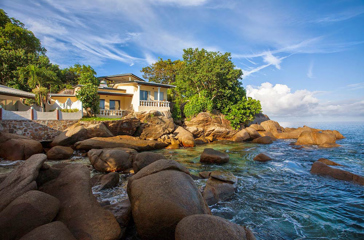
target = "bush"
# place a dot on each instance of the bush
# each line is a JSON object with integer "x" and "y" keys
{"x": 70, "y": 110}
{"x": 197, "y": 104}
{"x": 243, "y": 112}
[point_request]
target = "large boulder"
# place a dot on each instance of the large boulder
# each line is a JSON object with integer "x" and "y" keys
{"x": 272, "y": 126}
{"x": 317, "y": 138}
{"x": 59, "y": 153}
{"x": 252, "y": 133}
{"x": 241, "y": 136}
{"x": 54, "y": 230}
{"x": 162, "y": 194}
{"x": 329, "y": 162}
{"x": 27, "y": 212}
{"x": 156, "y": 126}
{"x": 104, "y": 181}
{"x": 17, "y": 147}
{"x": 144, "y": 159}
{"x": 78, "y": 132}
{"x": 185, "y": 137}
{"x": 20, "y": 149}
{"x": 73, "y": 134}
{"x": 111, "y": 159}
{"x": 321, "y": 168}
{"x": 120, "y": 142}
{"x": 21, "y": 180}
{"x": 259, "y": 118}
{"x": 220, "y": 186}
{"x": 125, "y": 126}
{"x": 263, "y": 140}
{"x": 122, "y": 212}
{"x": 207, "y": 227}
{"x": 210, "y": 155}
{"x": 80, "y": 211}
{"x": 213, "y": 126}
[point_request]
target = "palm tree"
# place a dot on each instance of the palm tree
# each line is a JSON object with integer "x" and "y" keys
{"x": 37, "y": 77}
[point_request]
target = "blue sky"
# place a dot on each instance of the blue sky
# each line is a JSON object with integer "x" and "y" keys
{"x": 303, "y": 59}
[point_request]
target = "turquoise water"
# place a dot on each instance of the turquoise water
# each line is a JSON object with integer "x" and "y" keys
{"x": 281, "y": 199}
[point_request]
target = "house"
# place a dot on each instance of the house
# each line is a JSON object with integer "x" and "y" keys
{"x": 12, "y": 99}
{"x": 124, "y": 92}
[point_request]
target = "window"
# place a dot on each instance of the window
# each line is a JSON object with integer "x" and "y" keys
{"x": 114, "y": 105}
{"x": 161, "y": 96}
{"x": 102, "y": 104}
{"x": 144, "y": 95}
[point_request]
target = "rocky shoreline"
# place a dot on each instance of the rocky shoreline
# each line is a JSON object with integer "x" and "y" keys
{"x": 163, "y": 200}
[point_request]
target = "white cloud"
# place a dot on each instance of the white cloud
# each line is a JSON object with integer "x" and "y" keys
{"x": 310, "y": 70}
{"x": 181, "y": 2}
{"x": 150, "y": 58}
{"x": 272, "y": 60}
{"x": 278, "y": 101}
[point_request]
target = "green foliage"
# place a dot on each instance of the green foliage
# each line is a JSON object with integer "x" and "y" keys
{"x": 89, "y": 98}
{"x": 85, "y": 74}
{"x": 243, "y": 112}
{"x": 70, "y": 110}
{"x": 163, "y": 71}
{"x": 197, "y": 104}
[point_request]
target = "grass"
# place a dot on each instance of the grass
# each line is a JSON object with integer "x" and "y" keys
{"x": 98, "y": 119}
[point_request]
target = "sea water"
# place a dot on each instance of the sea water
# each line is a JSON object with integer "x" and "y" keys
{"x": 279, "y": 199}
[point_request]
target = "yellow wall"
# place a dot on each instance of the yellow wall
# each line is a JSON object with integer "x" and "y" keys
{"x": 112, "y": 90}
{"x": 125, "y": 101}
{"x": 63, "y": 99}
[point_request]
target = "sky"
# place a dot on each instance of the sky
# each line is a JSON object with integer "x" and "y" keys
{"x": 304, "y": 60}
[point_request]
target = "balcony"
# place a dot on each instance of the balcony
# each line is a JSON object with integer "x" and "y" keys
{"x": 149, "y": 103}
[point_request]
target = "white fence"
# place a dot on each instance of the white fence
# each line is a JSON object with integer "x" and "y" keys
{"x": 66, "y": 105}
{"x": 148, "y": 103}
{"x": 33, "y": 114}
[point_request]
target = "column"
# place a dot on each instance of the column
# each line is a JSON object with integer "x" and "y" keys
{"x": 159, "y": 96}
{"x": 138, "y": 97}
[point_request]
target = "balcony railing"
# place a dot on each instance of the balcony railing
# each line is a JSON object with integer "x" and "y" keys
{"x": 107, "y": 112}
{"x": 149, "y": 103}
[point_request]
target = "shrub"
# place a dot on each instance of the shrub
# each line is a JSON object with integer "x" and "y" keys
{"x": 70, "y": 110}
{"x": 197, "y": 104}
{"x": 243, "y": 112}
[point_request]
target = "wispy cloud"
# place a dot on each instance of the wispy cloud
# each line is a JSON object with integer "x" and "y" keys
{"x": 267, "y": 58}
{"x": 338, "y": 17}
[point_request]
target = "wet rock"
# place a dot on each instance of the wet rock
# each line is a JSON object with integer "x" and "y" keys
{"x": 105, "y": 181}
{"x": 261, "y": 157}
{"x": 321, "y": 168}
{"x": 220, "y": 186}
{"x": 210, "y": 155}
{"x": 144, "y": 159}
{"x": 185, "y": 137}
{"x": 224, "y": 176}
{"x": 241, "y": 136}
{"x": 206, "y": 227}
{"x": 80, "y": 211}
{"x": 204, "y": 175}
{"x": 161, "y": 194}
{"x": 27, "y": 212}
{"x": 54, "y": 230}
{"x": 122, "y": 212}
{"x": 317, "y": 138}
{"x": 269, "y": 134}
{"x": 328, "y": 162}
{"x": 21, "y": 180}
{"x": 19, "y": 148}
{"x": 201, "y": 140}
{"x": 252, "y": 133}
{"x": 59, "y": 153}
{"x": 111, "y": 159}
{"x": 263, "y": 140}
{"x": 120, "y": 142}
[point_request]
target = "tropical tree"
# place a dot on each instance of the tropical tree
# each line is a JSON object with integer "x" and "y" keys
{"x": 90, "y": 99}
{"x": 163, "y": 71}
{"x": 37, "y": 77}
